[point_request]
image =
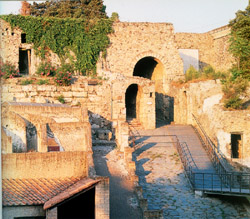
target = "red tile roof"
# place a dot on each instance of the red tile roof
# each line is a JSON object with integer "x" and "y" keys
{"x": 33, "y": 191}
{"x": 80, "y": 186}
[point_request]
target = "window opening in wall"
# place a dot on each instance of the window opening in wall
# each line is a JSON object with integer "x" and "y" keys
{"x": 236, "y": 145}
{"x": 151, "y": 94}
{"x": 23, "y": 37}
{"x": 24, "y": 61}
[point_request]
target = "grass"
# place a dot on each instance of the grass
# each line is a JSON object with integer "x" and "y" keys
{"x": 26, "y": 82}
{"x": 61, "y": 99}
{"x": 41, "y": 81}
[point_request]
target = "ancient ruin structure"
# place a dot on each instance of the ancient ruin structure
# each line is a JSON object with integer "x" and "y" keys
{"x": 45, "y": 170}
{"x": 142, "y": 61}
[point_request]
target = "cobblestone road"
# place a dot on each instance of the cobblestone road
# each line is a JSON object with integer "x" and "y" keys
{"x": 123, "y": 201}
{"x": 166, "y": 187}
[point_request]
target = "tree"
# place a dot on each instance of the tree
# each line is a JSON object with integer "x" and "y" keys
{"x": 88, "y": 9}
{"x": 240, "y": 43}
{"x": 25, "y": 8}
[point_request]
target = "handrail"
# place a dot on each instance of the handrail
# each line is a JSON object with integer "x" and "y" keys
{"x": 186, "y": 163}
{"x": 216, "y": 158}
{"x": 210, "y": 182}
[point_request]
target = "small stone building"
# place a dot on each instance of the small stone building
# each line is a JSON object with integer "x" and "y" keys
{"x": 47, "y": 165}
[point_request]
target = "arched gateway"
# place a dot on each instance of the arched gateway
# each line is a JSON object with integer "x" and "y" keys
{"x": 152, "y": 68}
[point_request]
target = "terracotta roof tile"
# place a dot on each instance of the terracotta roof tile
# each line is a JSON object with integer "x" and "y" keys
{"x": 80, "y": 186}
{"x": 33, "y": 191}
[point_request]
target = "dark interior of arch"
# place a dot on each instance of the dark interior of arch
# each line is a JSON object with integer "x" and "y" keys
{"x": 130, "y": 101}
{"x": 145, "y": 67}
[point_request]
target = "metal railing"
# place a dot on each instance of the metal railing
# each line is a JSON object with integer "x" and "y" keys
{"x": 231, "y": 181}
{"x": 221, "y": 181}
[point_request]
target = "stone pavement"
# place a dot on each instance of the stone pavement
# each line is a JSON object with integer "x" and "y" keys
{"x": 165, "y": 186}
{"x": 123, "y": 201}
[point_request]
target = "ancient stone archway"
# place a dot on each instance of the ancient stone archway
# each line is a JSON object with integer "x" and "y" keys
{"x": 152, "y": 68}
{"x": 133, "y": 102}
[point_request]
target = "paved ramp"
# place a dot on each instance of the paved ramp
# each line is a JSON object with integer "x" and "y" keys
{"x": 163, "y": 180}
{"x": 200, "y": 169}
{"x": 200, "y": 156}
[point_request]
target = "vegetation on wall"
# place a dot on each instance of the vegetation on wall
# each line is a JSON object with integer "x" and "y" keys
{"x": 8, "y": 70}
{"x": 235, "y": 86}
{"x": 86, "y": 39}
{"x": 208, "y": 72}
{"x": 240, "y": 43}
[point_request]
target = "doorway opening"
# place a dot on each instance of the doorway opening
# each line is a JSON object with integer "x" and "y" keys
{"x": 236, "y": 145}
{"x": 24, "y": 61}
{"x": 130, "y": 101}
{"x": 153, "y": 69}
{"x": 80, "y": 206}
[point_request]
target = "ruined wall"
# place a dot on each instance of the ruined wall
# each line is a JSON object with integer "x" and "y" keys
{"x": 79, "y": 93}
{"x": 202, "y": 42}
{"x": 212, "y": 46}
{"x": 14, "y": 127}
{"x": 30, "y": 122}
{"x": 131, "y": 42}
{"x": 204, "y": 100}
{"x": 10, "y": 44}
{"x": 223, "y": 59}
{"x": 106, "y": 98}
{"x": 44, "y": 165}
{"x": 73, "y": 136}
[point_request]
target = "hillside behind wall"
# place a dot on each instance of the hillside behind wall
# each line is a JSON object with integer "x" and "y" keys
{"x": 212, "y": 46}
{"x": 204, "y": 100}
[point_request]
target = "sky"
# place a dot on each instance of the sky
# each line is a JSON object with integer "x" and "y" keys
{"x": 195, "y": 16}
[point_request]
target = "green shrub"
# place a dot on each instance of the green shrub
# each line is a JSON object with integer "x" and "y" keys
{"x": 46, "y": 69}
{"x": 61, "y": 99}
{"x": 191, "y": 74}
{"x": 234, "y": 91}
{"x": 64, "y": 75}
{"x": 234, "y": 87}
{"x": 8, "y": 70}
{"x": 26, "y": 82}
{"x": 234, "y": 102}
{"x": 41, "y": 81}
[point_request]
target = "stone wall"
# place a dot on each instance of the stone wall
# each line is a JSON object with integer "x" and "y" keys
{"x": 10, "y": 44}
{"x": 204, "y": 100}
{"x": 22, "y": 211}
{"x": 44, "y": 165}
{"x": 131, "y": 42}
{"x": 63, "y": 121}
{"x": 105, "y": 100}
{"x": 212, "y": 46}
